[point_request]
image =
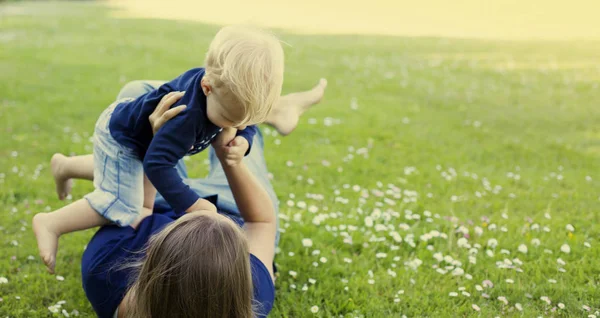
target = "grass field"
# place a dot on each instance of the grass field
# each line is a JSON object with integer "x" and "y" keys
{"x": 434, "y": 168}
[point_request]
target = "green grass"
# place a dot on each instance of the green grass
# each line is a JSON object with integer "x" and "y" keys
{"x": 486, "y": 110}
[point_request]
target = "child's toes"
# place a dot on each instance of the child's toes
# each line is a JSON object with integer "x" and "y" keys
{"x": 50, "y": 262}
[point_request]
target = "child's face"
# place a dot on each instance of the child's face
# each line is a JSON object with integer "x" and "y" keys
{"x": 217, "y": 113}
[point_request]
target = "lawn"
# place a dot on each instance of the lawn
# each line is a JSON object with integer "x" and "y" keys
{"x": 438, "y": 177}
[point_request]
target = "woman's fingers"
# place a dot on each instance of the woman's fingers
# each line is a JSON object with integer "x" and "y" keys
{"x": 162, "y": 113}
{"x": 173, "y": 99}
{"x": 172, "y": 112}
{"x": 162, "y": 105}
{"x": 158, "y": 123}
{"x": 167, "y": 101}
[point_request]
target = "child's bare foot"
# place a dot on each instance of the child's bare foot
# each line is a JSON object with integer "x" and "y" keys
{"x": 47, "y": 240}
{"x": 313, "y": 96}
{"x": 63, "y": 184}
{"x": 284, "y": 117}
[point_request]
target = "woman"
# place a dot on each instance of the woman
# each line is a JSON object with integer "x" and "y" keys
{"x": 199, "y": 264}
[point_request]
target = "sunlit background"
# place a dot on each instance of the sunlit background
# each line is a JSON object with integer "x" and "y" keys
{"x": 505, "y": 19}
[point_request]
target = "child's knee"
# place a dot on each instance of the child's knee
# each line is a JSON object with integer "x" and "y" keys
{"x": 132, "y": 89}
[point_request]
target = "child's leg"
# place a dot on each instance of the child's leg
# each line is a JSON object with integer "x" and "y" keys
{"x": 149, "y": 193}
{"x": 289, "y": 108}
{"x": 149, "y": 197}
{"x": 66, "y": 168}
{"x": 118, "y": 196}
{"x": 82, "y": 167}
{"x": 48, "y": 227}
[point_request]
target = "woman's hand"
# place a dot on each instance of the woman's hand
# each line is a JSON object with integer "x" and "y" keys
{"x": 162, "y": 113}
{"x": 222, "y": 140}
{"x": 236, "y": 150}
{"x": 230, "y": 149}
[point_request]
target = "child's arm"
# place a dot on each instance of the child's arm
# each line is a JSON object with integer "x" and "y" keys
{"x": 171, "y": 143}
{"x": 159, "y": 117}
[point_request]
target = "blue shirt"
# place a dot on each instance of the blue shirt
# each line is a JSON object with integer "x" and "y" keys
{"x": 188, "y": 133}
{"x": 105, "y": 284}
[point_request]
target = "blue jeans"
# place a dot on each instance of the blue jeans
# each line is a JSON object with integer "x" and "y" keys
{"x": 118, "y": 176}
{"x": 216, "y": 182}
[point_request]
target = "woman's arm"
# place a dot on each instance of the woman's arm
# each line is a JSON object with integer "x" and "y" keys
{"x": 251, "y": 198}
{"x": 254, "y": 203}
{"x": 256, "y": 208}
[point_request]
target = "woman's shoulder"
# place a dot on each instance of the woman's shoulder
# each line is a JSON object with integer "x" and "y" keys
{"x": 264, "y": 288}
{"x": 104, "y": 277}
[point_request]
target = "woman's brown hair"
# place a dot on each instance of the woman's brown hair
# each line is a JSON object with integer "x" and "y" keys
{"x": 198, "y": 266}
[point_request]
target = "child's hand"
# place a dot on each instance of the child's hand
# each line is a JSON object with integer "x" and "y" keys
{"x": 235, "y": 151}
{"x": 202, "y": 205}
{"x": 230, "y": 149}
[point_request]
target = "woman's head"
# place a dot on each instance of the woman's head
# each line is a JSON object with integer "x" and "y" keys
{"x": 198, "y": 266}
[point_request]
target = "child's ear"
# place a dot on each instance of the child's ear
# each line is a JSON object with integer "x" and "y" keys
{"x": 206, "y": 88}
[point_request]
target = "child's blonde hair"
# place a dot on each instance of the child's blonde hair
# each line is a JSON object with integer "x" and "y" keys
{"x": 244, "y": 66}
